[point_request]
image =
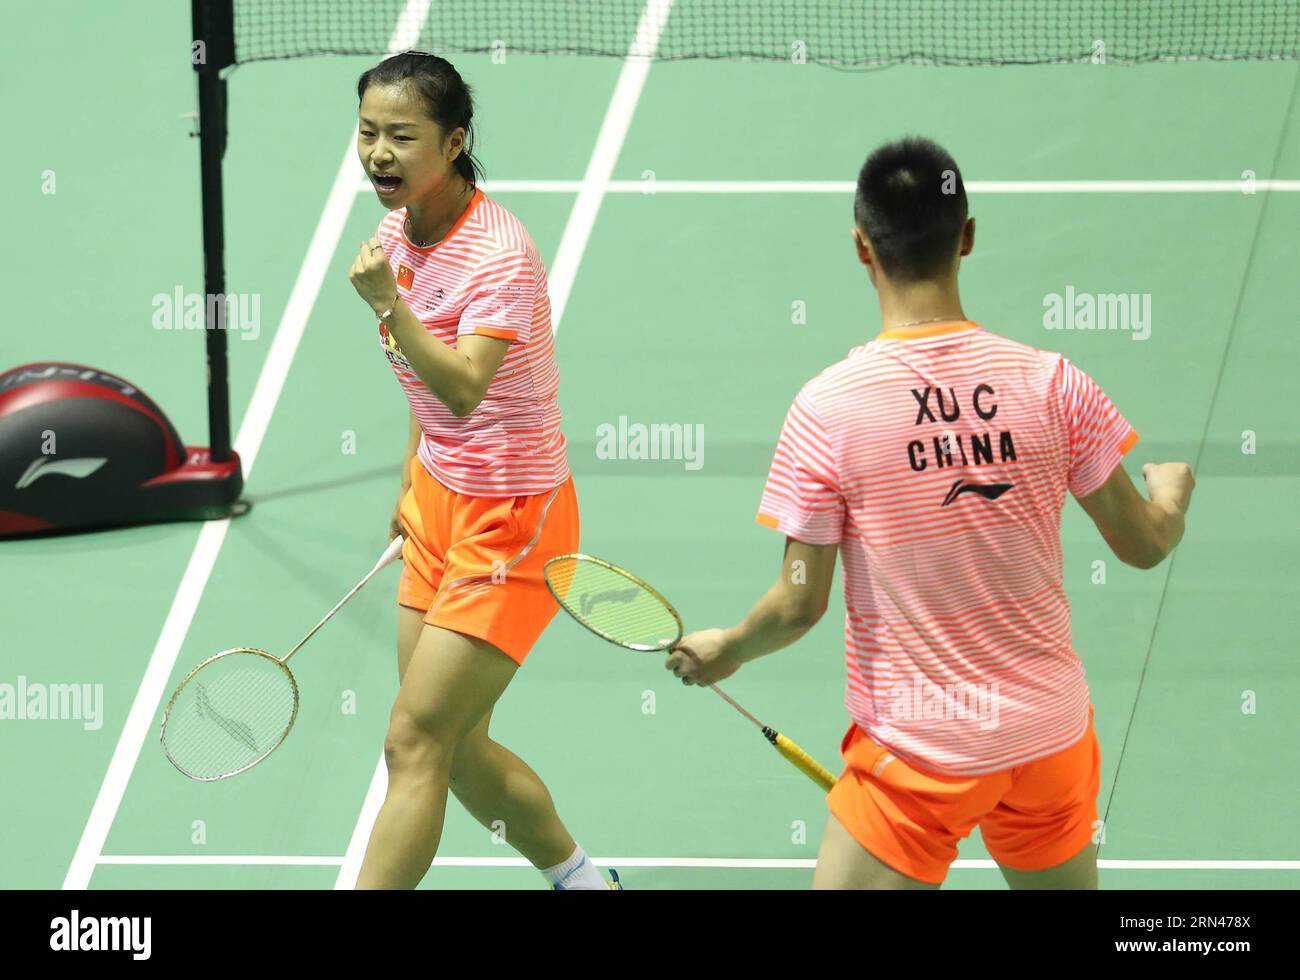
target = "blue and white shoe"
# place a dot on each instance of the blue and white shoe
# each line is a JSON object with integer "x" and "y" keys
{"x": 614, "y": 884}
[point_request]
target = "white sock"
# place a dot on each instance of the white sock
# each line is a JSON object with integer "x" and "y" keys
{"x": 577, "y": 874}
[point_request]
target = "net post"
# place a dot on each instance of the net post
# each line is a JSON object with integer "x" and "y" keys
{"x": 214, "y": 49}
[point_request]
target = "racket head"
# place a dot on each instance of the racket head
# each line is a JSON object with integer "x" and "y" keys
{"x": 229, "y": 713}
{"x": 613, "y": 603}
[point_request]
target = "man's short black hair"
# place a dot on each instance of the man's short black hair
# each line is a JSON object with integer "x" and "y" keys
{"x": 911, "y": 204}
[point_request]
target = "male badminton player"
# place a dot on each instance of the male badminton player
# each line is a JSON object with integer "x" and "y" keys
{"x": 487, "y": 497}
{"x": 935, "y": 459}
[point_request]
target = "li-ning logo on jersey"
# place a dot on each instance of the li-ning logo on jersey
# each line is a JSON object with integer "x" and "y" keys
{"x": 989, "y": 491}
{"x": 44, "y": 466}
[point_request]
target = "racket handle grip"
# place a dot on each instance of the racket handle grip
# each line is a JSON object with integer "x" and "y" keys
{"x": 805, "y": 763}
{"x": 392, "y": 554}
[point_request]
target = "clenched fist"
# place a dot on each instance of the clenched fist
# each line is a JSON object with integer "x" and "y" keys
{"x": 372, "y": 277}
{"x": 701, "y": 658}
{"x": 1171, "y": 480}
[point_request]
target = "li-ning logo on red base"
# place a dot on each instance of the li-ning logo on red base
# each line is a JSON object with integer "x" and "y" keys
{"x": 44, "y": 466}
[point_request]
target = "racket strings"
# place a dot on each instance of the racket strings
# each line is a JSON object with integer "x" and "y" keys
{"x": 614, "y": 605}
{"x": 229, "y": 714}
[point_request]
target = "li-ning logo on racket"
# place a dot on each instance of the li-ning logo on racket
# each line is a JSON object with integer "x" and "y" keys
{"x": 235, "y": 729}
{"x": 589, "y": 602}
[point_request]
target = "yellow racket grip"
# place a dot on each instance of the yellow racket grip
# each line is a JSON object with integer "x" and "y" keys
{"x": 805, "y": 763}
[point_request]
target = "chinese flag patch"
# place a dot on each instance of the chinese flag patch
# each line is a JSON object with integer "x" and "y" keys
{"x": 405, "y": 276}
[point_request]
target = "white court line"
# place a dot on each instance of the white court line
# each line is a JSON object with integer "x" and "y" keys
{"x": 973, "y": 864}
{"x": 604, "y": 156}
{"x": 219, "y": 859}
{"x": 573, "y": 242}
{"x": 652, "y": 187}
{"x": 270, "y": 382}
{"x": 350, "y": 866}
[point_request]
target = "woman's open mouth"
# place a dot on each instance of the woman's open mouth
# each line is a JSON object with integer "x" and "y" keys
{"x": 385, "y": 184}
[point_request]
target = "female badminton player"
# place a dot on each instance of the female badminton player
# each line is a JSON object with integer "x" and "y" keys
{"x": 460, "y": 293}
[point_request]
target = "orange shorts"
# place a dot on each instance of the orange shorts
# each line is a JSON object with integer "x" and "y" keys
{"x": 474, "y": 564}
{"x": 1032, "y": 817}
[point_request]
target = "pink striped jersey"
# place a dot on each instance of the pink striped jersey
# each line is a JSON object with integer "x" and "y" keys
{"x": 939, "y": 462}
{"x": 484, "y": 277}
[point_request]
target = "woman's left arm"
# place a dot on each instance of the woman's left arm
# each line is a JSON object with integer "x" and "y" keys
{"x": 459, "y": 376}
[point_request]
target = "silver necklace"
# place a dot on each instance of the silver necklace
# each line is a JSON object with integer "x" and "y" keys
{"x": 410, "y": 228}
{"x": 917, "y": 323}
{"x": 410, "y": 233}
